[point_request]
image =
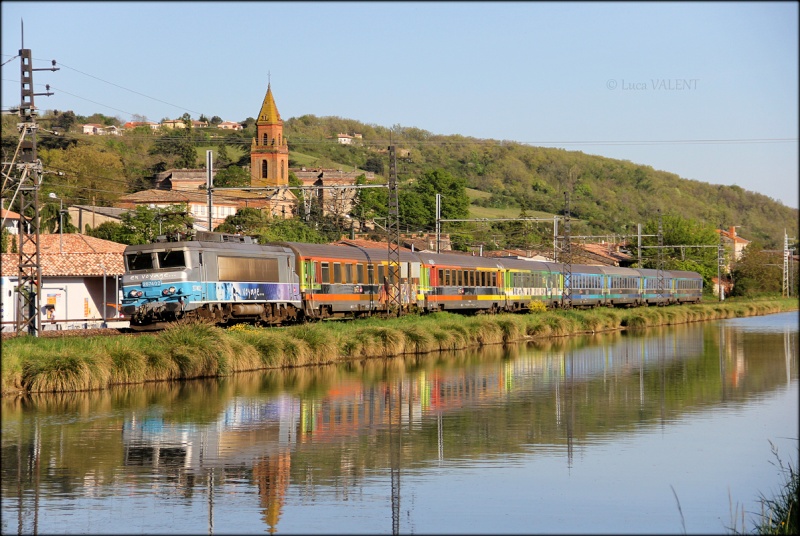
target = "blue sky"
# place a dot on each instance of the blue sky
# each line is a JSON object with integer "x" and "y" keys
{"x": 708, "y": 91}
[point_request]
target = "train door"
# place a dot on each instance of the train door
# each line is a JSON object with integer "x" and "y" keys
{"x": 414, "y": 281}
{"x": 202, "y": 277}
{"x": 424, "y": 284}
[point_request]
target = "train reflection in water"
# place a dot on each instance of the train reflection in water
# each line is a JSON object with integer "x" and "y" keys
{"x": 250, "y": 428}
{"x": 263, "y": 434}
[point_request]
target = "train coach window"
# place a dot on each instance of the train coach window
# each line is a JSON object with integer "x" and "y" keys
{"x": 348, "y": 273}
{"x": 360, "y": 274}
{"x": 326, "y": 272}
{"x": 370, "y": 274}
{"x": 139, "y": 261}
{"x": 171, "y": 259}
{"x": 337, "y": 273}
{"x": 494, "y": 279}
{"x": 381, "y": 273}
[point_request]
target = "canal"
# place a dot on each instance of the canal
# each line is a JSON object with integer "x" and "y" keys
{"x": 670, "y": 430}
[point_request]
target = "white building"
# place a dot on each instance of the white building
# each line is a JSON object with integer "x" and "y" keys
{"x": 80, "y": 283}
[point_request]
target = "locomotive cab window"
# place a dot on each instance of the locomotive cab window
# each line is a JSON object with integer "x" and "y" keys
{"x": 139, "y": 261}
{"x": 171, "y": 259}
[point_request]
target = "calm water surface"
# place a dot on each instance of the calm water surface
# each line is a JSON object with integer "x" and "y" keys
{"x": 663, "y": 431}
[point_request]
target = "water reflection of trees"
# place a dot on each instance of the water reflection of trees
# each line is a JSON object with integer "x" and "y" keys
{"x": 328, "y": 426}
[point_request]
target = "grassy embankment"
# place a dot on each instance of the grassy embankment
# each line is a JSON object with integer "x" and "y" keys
{"x": 195, "y": 350}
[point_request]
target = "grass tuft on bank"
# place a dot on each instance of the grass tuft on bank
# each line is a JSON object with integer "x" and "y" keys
{"x": 188, "y": 350}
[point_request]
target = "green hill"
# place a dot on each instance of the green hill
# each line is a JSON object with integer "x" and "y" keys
{"x": 607, "y": 195}
{"x": 504, "y": 178}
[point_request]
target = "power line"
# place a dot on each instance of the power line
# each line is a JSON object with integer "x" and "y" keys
{"x": 128, "y": 89}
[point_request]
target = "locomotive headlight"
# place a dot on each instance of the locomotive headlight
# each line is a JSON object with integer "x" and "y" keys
{"x": 168, "y": 291}
{"x": 135, "y": 293}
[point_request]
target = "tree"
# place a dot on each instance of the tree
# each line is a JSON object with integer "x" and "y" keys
{"x": 142, "y": 225}
{"x": 680, "y": 231}
{"x": 64, "y": 120}
{"x": 215, "y": 120}
{"x": 419, "y": 208}
{"x": 291, "y": 230}
{"x": 757, "y": 272}
{"x": 178, "y": 146}
{"x": 231, "y": 177}
{"x": 223, "y": 159}
{"x": 370, "y": 203}
{"x": 374, "y": 164}
{"x": 5, "y": 241}
{"x": 87, "y": 169}
{"x": 248, "y": 221}
{"x": 109, "y": 230}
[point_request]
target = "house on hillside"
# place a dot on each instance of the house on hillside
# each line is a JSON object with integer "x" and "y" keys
{"x": 80, "y": 283}
{"x": 605, "y": 254}
{"x": 94, "y": 129}
{"x": 734, "y": 242}
{"x": 133, "y": 124}
{"x": 230, "y": 125}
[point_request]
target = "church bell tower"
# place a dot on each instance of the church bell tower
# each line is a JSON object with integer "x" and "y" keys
{"x": 269, "y": 152}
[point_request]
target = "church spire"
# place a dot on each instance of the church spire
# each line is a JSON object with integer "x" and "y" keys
{"x": 269, "y": 112}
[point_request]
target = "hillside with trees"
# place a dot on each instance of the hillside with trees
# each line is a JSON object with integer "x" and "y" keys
{"x": 607, "y": 196}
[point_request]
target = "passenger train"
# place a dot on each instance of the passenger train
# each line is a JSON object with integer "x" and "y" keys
{"x": 229, "y": 278}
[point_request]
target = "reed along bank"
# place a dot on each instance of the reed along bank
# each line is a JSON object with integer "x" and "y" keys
{"x": 198, "y": 350}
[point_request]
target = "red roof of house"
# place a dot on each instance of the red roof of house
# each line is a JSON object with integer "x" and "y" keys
{"x": 10, "y": 214}
{"x": 78, "y": 255}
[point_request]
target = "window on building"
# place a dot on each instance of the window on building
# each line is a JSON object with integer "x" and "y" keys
{"x": 264, "y": 169}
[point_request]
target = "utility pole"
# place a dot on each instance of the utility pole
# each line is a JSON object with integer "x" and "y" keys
{"x": 785, "y": 288}
{"x": 29, "y": 275}
{"x": 393, "y": 231}
{"x": 209, "y": 184}
{"x": 660, "y": 273}
{"x": 720, "y": 260}
{"x": 438, "y": 220}
{"x": 566, "y": 296}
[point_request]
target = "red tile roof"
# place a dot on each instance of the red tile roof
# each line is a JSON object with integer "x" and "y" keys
{"x": 10, "y": 214}
{"x": 82, "y": 256}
